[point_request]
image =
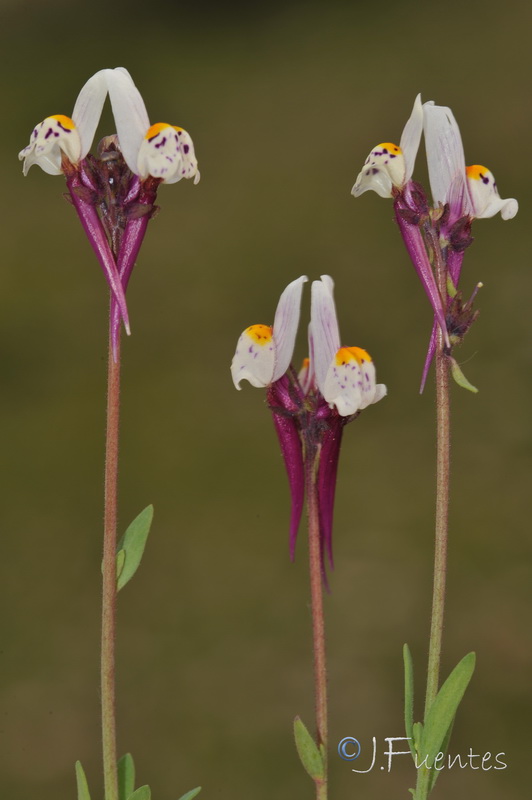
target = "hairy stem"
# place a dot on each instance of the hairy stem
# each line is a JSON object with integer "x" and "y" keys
{"x": 443, "y": 448}
{"x": 318, "y": 622}
{"x": 109, "y": 575}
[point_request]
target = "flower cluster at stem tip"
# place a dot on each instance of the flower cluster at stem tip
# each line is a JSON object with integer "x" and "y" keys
{"x": 310, "y": 408}
{"x": 113, "y": 193}
{"x": 436, "y": 237}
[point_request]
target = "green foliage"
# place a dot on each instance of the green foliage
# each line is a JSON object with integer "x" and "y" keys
{"x": 460, "y": 378}
{"x": 441, "y": 714}
{"x": 308, "y": 751}
{"x": 191, "y": 794}
{"x": 132, "y": 544}
{"x": 126, "y": 776}
{"x": 142, "y": 793}
{"x": 81, "y": 781}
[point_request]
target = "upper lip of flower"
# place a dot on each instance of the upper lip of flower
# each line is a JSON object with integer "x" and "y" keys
{"x": 161, "y": 150}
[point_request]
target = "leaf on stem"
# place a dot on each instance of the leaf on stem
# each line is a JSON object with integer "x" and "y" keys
{"x": 409, "y": 697}
{"x": 132, "y": 544}
{"x": 460, "y": 378}
{"x": 308, "y": 751}
{"x": 142, "y": 793}
{"x": 191, "y": 794}
{"x": 441, "y": 714}
{"x": 126, "y": 776}
{"x": 81, "y": 781}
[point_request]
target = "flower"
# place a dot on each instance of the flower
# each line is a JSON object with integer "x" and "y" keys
{"x": 163, "y": 151}
{"x": 72, "y": 137}
{"x": 467, "y": 193}
{"x": 388, "y": 171}
{"x": 470, "y": 191}
{"x": 311, "y": 409}
{"x": 113, "y": 194}
{"x": 59, "y": 145}
{"x": 390, "y": 166}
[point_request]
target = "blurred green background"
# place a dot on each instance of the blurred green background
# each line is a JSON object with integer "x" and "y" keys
{"x": 284, "y": 102}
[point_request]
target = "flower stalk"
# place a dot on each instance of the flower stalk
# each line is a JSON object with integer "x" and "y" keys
{"x": 109, "y": 590}
{"x": 318, "y": 619}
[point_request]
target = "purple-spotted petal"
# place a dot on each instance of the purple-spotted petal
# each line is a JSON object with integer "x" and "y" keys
{"x": 131, "y": 117}
{"x": 285, "y": 325}
{"x": 350, "y": 384}
{"x": 324, "y": 325}
{"x": 484, "y": 195}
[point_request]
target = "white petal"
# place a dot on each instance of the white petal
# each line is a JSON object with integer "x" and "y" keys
{"x": 484, "y": 195}
{"x": 325, "y": 333}
{"x": 384, "y": 168}
{"x": 445, "y": 156}
{"x": 54, "y": 135}
{"x": 167, "y": 152}
{"x": 130, "y": 114}
{"x": 285, "y": 325}
{"x": 88, "y": 108}
{"x": 254, "y": 359}
{"x": 411, "y": 138}
{"x": 350, "y": 382}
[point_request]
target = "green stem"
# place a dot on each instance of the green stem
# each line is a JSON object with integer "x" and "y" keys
{"x": 109, "y": 576}
{"x": 443, "y": 449}
{"x": 318, "y": 622}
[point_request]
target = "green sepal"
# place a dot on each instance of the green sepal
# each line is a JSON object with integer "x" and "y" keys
{"x": 81, "y": 782}
{"x": 133, "y": 543}
{"x": 308, "y": 751}
{"x": 126, "y": 776}
{"x": 191, "y": 794}
{"x": 451, "y": 288}
{"x": 142, "y": 793}
{"x": 409, "y": 697}
{"x": 460, "y": 378}
{"x": 441, "y": 714}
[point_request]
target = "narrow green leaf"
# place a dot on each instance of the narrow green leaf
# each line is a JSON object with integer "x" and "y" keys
{"x": 126, "y": 776}
{"x": 133, "y": 543}
{"x": 460, "y": 378}
{"x": 308, "y": 751}
{"x": 142, "y": 793}
{"x": 443, "y": 749}
{"x": 409, "y": 697}
{"x": 442, "y": 712}
{"x": 191, "y": 794}
{"x": 81, "y": 781}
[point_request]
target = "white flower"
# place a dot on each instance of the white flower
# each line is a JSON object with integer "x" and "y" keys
{"x": 72, "y": 136}
{"x": 468, "y": 190}
{"x": 264, "y": 352}
{"x": 345, "y": 376}
{"x": 389, "y": 165}
{"x": 161, "y": 150}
